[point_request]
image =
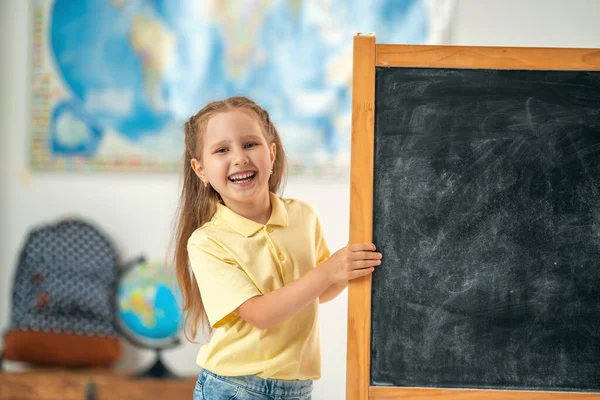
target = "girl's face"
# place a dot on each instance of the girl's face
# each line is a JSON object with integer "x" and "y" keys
{"x": 236, "y": 159}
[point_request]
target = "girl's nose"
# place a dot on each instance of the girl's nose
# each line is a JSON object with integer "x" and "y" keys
{"x": 240, "y": 158}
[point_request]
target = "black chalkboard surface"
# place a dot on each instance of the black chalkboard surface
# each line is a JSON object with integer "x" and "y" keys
{"x": 486, "y": 206}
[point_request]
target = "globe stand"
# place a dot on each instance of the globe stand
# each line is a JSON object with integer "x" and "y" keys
{"x": 159, "y": 370}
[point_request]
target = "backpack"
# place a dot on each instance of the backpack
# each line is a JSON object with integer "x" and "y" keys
{"x": 63, "y": 298}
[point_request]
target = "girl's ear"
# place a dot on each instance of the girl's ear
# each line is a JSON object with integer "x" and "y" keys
{"x": 198, "y": 170}
{"x": 273, "y": 153}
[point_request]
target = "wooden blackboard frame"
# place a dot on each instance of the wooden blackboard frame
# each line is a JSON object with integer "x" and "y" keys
{"x": 367, "y": 56}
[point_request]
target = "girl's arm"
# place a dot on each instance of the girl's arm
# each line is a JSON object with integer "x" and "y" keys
{"x": 274, "y": 307}
{"x": 332, "y": 292}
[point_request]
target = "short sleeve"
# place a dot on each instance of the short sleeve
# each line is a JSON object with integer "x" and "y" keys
{"x": 321, "y": 248}
{"x": 223, "y": 285}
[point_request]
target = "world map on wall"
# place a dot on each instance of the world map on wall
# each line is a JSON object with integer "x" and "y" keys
{"x": 115, "y": 80}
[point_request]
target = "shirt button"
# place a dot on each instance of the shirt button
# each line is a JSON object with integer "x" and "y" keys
{"x": 281, "y": 257}
{"x": 269, "y": 229}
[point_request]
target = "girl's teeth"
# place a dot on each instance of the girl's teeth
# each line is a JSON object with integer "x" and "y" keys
{"x": 242, "y": 178}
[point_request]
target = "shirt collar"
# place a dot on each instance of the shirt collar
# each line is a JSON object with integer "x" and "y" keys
{"x": 247, "y": 227}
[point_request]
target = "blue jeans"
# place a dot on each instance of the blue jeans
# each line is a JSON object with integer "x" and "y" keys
{"x": 211, "y": 386}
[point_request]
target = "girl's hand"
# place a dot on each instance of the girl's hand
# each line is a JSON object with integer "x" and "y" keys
{"x": 351, "y": 262}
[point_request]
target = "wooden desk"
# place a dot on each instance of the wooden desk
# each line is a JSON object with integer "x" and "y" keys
{"x": 90, "y": 385}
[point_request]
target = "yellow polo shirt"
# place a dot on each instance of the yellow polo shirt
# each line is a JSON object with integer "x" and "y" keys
{"x": 234, "y": 259}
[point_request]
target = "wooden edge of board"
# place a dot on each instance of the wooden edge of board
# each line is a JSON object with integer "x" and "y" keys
{"x": 361, "y": 208}
{"x": 480, "y": 57}
{"x": 393, "y": 393}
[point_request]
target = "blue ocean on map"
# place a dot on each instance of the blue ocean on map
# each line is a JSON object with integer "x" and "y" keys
{"x": 135, "y": 71}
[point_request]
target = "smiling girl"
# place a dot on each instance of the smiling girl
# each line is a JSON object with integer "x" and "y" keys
{"x": 252, "y": 266}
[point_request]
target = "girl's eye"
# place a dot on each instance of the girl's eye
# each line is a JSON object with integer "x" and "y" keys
{"x": 221, "y": 150}
{"x": 250, "y": 145}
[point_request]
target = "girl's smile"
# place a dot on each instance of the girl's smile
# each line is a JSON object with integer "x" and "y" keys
{"x": 243, "y": 178}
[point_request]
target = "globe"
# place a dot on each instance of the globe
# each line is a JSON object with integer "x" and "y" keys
{"x": 148, "y": 310}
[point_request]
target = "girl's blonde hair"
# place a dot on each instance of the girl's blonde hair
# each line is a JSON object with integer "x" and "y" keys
{"x": 197, "y": 203}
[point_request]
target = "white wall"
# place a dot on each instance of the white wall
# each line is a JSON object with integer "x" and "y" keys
{"x": 137, "y": 210}
{"x": 534, "y": 23}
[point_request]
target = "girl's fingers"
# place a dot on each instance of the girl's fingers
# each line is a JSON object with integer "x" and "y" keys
{"x": 366, "y": 255}
{"x": 365, "y": 264}
{"x": 360, "y": 272}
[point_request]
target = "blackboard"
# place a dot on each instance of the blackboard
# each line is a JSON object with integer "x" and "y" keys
{"x": 486, "y": 206}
